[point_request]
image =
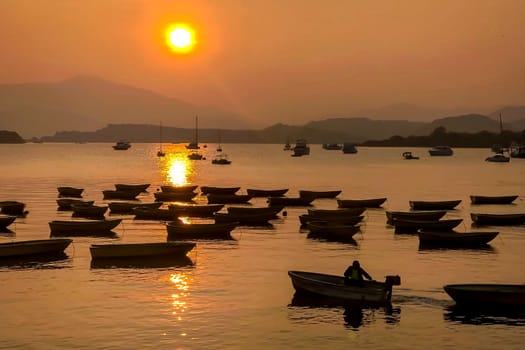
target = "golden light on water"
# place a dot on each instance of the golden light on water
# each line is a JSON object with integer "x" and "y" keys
{"x": 181, "y": 283}
{"x": 181, "y": 38}
{"x": 178, "y": 170}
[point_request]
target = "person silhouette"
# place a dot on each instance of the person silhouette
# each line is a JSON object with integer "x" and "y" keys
{"x": 355, "y": 275}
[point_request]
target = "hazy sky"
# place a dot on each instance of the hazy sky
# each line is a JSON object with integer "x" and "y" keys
{"x": 279, "y": 60}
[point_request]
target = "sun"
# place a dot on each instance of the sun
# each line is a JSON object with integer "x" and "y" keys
{"x": 180, "y": 38}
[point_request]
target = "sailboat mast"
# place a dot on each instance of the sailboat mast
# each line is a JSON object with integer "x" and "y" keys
{"x": 197, "y": 129}
{"x": 160, "y": 136}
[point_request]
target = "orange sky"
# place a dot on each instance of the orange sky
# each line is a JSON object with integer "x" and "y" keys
{"x": 288, "y": 61}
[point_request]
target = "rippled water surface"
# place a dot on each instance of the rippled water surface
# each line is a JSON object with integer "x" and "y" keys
{"x": 236, "y": 293}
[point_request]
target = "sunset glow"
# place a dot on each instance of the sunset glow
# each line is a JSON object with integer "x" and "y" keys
{"x": 180, "y": 38}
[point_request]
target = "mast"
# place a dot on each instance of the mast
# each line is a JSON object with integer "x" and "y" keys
{"x": 197, "y": 130}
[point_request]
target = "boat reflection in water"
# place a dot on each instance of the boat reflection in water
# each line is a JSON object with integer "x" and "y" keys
{"x": 485, "y": 316}
{"x": 142, "y": 263}
{"x": 318, "y": 309}
{"x": 45, "y": 261}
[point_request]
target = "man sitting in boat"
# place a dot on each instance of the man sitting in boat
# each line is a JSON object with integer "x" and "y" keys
{"x": 355, "y": 274}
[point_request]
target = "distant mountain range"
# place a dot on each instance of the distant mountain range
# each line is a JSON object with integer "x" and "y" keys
{"x": 97, "y": 110}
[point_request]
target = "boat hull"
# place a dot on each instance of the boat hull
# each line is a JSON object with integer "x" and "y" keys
{"x": 360, "y": 203}
{"x": 434, "y": 205}
{"x": 33, "y": 247}
{"x": 487, "y": 295}
{"x": 331, "y": 286}
{"x": 83, "y": 227}
{"x": 455, "y": 239}
{"x": 498, "y": 219}
{"x": 178, "y": 231}
{"x": 140, "y": 250}
{"x": 475, "y": 199}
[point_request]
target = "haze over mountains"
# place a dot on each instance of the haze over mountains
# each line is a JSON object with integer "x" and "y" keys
{"x": 88, "y": 104}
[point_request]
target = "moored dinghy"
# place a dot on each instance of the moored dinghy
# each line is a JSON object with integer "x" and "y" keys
{"x": 434, "y": 205}
{"x": 178, "y": 230}
{"x": 266, "y": 193}
{"x": 360, "y": 203}
{"x": 403, "y": 225}
{"x": 477, "y": 199}
{"x": 68, "y": 191}
{"x": 86, "y": 227}
{"x": 487, "y": 295}
{"x": 332, "y": 286}
{"x": 33, "y": 247}
{"x": 120, "y": 194}
{"x": 127, "y": 207}
{"x": 455, "y": 239}
{"x": 319, "y": 194}
{"x": 140, "y": 250}
{"x": 414, "y": 215}
{"x": 13, "y": 208}
{"x": 131, "y": 187}
{"x": 498, "y": 219}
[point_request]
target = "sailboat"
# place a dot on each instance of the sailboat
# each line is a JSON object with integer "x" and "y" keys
{"x": 220, "y": 157}
{"x": 195, "y": 143}
{"x": 219, "y": 148}
{"x": 499, "y": 150}
{"x": 160, "y": 152}
{"x": 287, "y": 146}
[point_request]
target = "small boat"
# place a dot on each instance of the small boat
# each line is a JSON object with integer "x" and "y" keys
{"x": 487, "y": 295}
{"x": 196, "y": 210}
{"x": 332, "y": 286}
{"x": 178, "y": 230}
{"x": 66, "y": 191}
{"x": 89, "y": 211}
{"x": 517, "y": 150}
{"x": 178, "y": 189}
{"x": 12, "y": 208}
{"x": 409, "y": 155}
{"x": 155, "y": 214}
{"x": 66, "y": 203}
{"x": 332, "y": 146}
{"x": 132, "y": 187}
{"x": 301, "y": 148}
{"x": 122, "y": 145}
{"x": 404, "y": 225}
{"x": 127, "y": 207}
{"x": 336, "y": 213}
{"x": 228, "y": 198}
{"x": 414, "y": 215}
{"x": 498, "y": 158}
{"x": 85, "y": 227}
{"x": 455, "y": 239}
{"x": 476, "y": 199}
{"x": 361, "y": 203}
{"x": 140, "y": 250}
{"x": 287, "y": 146}
{"x": 6, "y": 220}
{"x": 290, "y": 201}
{"x": 349, "y": 148}
{"x": 441, "y": 151}
{"x": 331, "y": 230}
{"x": 221, "y": 159}
{"x": 336, "y": 220}
{"x": 434, "y": 205}
{"x": 245, "y": 219}
{"x": 174, "y": 196}
{"x": 116, "y": 194}
{"x": 219, "y": 190}
{"x": 498, "y": 219}
{"x": 255, "y": 210}
{"x": 266, "y": 193}
{"x": 319, "y": 194}
{"x": 195, "y": 156}
{"x": 33, "y": 247}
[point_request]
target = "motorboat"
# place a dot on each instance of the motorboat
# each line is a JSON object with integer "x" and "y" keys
{"x": 517, "y": 150}
{"x": 409, "y": 155}
{"x": 221, "y": 159}
{"x": 441, "y": 151}
{"x": 301, "y": 148}
{"x": 498, "y": 158}
{"x": 349, "y": 148}
{"x": 333, "y": 286}
{"x": 332, "y": 146}
{"x": 122, "y": 145}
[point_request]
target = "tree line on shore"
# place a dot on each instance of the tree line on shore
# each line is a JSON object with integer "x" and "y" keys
{"x": 440, "y": 136}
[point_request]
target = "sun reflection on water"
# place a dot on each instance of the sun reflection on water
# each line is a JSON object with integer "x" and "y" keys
{"x": 179, "y": 169}
{"x": 181, "y": 284}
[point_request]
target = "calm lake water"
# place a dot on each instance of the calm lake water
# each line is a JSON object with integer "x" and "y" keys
{"x": 236, "y": 294}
